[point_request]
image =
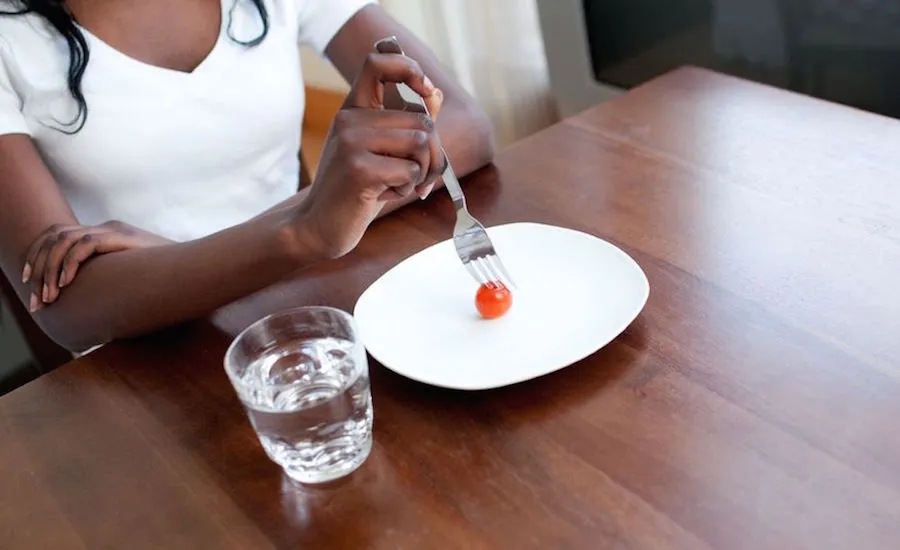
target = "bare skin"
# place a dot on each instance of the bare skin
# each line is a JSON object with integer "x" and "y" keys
{"x": 122, "y": 282}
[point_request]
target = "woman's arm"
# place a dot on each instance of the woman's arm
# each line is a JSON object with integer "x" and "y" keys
{"x": 463, "y": 127}
{"x": 54, "y": 258}
{"x": 136, "y": 291}
{"x": 371, "y": 156}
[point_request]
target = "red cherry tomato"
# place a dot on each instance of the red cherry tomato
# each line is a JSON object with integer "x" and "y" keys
{"x": 493, "y": 300}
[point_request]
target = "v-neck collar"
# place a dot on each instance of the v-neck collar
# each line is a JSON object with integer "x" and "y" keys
{"x": 203, "y": 67}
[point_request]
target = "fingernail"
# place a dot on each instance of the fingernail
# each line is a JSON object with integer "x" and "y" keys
{"x": 26, "y": 272}
{"x": 62, "y": 278}
{"x": 33, "y": 304}
{"x": 46, "y": 294}
{"x": 429, "y": 85}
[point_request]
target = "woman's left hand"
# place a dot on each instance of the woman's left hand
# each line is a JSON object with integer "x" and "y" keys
{"x": 53, "y": 260}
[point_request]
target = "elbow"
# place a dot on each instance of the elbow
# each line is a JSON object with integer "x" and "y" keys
{"x": 473, "y": 138}
{"x": 483, "y": 138}
{"x": 75, "y": 337}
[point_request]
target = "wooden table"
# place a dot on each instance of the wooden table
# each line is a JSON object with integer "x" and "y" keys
{"x": 754, "y": 404}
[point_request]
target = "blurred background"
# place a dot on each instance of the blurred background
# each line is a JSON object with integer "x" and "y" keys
{"x": 847, "y": 51}
{"x": 529, "y": 62}
{"x": 495, "y": 49}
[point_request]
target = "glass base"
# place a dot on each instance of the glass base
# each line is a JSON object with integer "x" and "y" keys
{"x": 308, "y": 476}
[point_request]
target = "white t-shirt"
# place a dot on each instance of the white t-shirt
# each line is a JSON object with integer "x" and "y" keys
{"x": 180, "y": 154}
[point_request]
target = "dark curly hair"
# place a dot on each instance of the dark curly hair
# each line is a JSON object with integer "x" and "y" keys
{"x": 58, "y": 15}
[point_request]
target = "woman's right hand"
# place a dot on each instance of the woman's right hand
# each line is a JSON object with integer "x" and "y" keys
{"x": 371, "y": 156}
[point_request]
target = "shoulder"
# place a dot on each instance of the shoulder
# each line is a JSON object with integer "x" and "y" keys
{"x": 19, "y": 27}
{"x": 320, "y": 20}
{"x": 313, "y": 11}
{"x": 26, "y": 40}
{"x": 29, "y": 46}
{"x": 21, "y": 46}
{"x": 33, "y": 66}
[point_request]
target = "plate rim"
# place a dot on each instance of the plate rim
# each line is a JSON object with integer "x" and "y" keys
{"x": 641, "y": 304}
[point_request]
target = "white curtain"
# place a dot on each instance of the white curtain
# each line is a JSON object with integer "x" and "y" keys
{"x": 495, "y": 49}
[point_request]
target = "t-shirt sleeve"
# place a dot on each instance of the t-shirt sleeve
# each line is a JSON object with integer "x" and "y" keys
{"x": 12, "y": 121}
{"x": 320, "y": 20}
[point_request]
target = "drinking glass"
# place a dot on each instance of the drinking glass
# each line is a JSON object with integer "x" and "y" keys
{"x": 303, "y": 378}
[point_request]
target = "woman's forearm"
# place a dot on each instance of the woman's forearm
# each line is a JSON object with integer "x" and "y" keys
{"x": 129, "y": 293}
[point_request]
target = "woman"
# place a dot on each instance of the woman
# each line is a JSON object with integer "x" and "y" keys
{"x": 148, "y": 151}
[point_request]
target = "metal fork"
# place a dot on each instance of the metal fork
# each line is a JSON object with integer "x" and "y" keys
{"x": 473, "y": 246}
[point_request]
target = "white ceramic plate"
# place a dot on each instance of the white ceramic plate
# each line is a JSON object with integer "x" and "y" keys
{"x": 575, "y": 294}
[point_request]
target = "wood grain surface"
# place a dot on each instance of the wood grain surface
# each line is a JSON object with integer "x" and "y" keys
{"x": 753, "y": 405}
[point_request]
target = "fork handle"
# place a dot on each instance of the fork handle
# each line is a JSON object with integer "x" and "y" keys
{"x": 391, "y": 45}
